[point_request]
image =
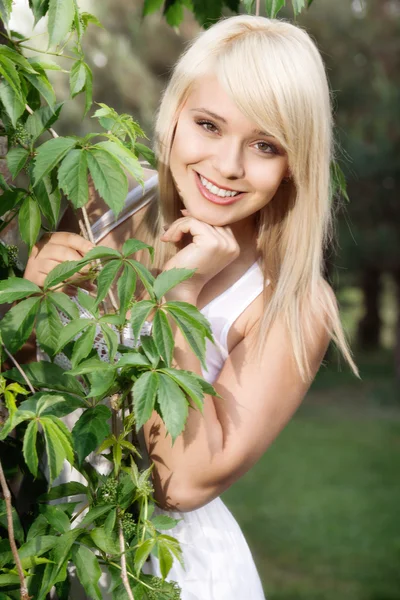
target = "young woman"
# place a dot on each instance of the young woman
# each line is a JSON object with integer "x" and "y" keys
{"x": 244, "y": 144}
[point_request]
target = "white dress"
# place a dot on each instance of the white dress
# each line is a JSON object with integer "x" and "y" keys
{"x": 218, "y": 562}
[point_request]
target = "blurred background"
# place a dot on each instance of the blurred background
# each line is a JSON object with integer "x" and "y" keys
{"x": 321, "y": 509}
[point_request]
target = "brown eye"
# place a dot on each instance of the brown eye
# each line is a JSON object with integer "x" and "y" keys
{"x": 267, "y": 148}
{"x": 204, "y": 125}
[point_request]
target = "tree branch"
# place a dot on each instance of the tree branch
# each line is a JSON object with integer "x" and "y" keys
{"x": 18, "y": 366}
{"x": 14, "y": 549}
{"x": 257, "y": 8}
{"x": 124, "y": 573}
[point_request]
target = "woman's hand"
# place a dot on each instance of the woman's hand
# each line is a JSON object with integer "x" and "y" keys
{"x": 211, "y": 250}
{"x": 54, "y": 249}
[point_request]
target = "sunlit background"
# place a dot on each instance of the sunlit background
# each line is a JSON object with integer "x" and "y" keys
{"x": 321, "y": 509}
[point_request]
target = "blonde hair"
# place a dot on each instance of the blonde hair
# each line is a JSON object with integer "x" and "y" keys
{"x": 275, "y": 75}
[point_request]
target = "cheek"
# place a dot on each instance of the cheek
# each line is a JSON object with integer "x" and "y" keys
{"x": 187, "y": 148}
{"x": 267, "y": 177}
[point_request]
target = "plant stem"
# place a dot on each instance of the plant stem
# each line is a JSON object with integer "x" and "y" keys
{"x": 124, "y": 573}
{"x": 130, "y": 575}
{"x": 7, "y": 498}
{"x": 45, "y": 52}
{"x": 18, "y": 366}
{"x": 257, "y": 8}
{"x": 30, "y": 111}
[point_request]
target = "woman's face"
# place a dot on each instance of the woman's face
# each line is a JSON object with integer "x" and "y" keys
{"x": 216, "y": 145}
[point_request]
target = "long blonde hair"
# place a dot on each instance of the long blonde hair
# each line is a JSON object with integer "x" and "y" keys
{"x": 274, "y": 73}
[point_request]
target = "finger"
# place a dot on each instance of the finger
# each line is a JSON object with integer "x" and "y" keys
{"x": 58, "y": 253}
{"x": 186, "y": 225}
{"x": 72, "y": 240}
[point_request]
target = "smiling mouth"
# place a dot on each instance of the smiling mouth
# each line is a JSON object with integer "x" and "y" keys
{"x": 222, "y": 192}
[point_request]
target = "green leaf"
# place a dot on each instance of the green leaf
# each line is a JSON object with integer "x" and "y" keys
{"x": 58, "y": 447}
{"x": 15, "y": 288}
{"x": 166, "y": 559}
{"x": 56, "y": 517}
{"x": 88, "y": 570}
{"x": 90, "y": 430}
{"x": 77, "y": 77}
{"x": 39, "y": 8}
{"x": 38, "y": 528}
{"x": 17, "y": 324}
{"x": 109, "y": 179}
{"x": 126, "y": 158}
{"x": 8, "y": 580}
{"x": 173, "y": 406}
{"x": 61, "y": 16}
{"x": 37, "y": 546}
{"x": 10, "y": 200}
{"x": 61, "y": 272}
{"x": 29, "y": 447}
{"x": 191, "y": 314}
{"x": 70, "y": 331}
{"x": 64, "y": 303}
{"x": 338, "y": 181}
{"x": 144, "y": 395}
{"x": 95, "y": 513}
{"x": 188, "y": 383}
{"x": 111, "y": 339}
{"x": 106, "y": 543}
{"x": 133, "y": 359}
{"x": 109, "y": 523}
{"x": 10, "y": 74}
{"x": 100, "y": 382}
{"x": 50, "y": 403}
{"x": 145, "y": 276}
{"x": 48, "y": 327}
{"x": 272, "y": 7}
{"x": 43, "y": 86}
{"x": 29, "y": 221}
{"x": 44, "y": 64}
{"x": 87, "y": 302}
{"x": 126, "y": 288}
{"x": 99, "y": 252}
{"x": 42, "y": 119}
{"x": 49, "y": 155}
{"x": 143, "y": 551}
{"x": 195, "y": 336}
{"x": 174, "y": 13}
{"x": 83, "y": 345}
{"x": 13, "y": 103}
{"x": 164, "y": 522}
{"x": 106, "y": 279}
{"x": 16, "y": 159}
{"x": 13, "y": 420}
{"x": 19, "y": 534}
{"x": 88, "y": 89}
{"x": 298, "y": 6}
{"x": 91, "y": 365}
{"x": 151, "y": 6}
{"x": 17, "y": 59}
{"x": 72, "y": 488}
{"x": 5, "y": 10}
{"x": 131, "y": 246}
{"x": 163, "y": 336}
{"x": 49, "y": 201}
{"x": 48, "y": 375}
{"x": 169, "y": 279}
{"x": 139, "y": 313}
{"x": 89, "y": 18}
{"x": 147, "y": 154}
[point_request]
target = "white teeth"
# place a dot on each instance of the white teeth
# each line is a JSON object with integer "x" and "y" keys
{"x": 216, "y": 190}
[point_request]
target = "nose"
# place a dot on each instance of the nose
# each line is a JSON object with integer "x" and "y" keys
{"x": 228, "y": 160}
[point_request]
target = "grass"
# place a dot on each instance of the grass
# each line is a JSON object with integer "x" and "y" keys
{"x": 321, "y": 509}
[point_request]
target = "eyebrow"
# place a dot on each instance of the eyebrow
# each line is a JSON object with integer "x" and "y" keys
{"x": 219, "y": 118}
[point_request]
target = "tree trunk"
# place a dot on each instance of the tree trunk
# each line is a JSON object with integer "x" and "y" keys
{"x": 370, "y": 325}
{"x": 396, "y": 277}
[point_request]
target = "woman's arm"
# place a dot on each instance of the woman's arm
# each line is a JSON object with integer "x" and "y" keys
{"x": 218, "y": 447}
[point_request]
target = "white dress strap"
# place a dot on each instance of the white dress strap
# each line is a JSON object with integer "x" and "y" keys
{"x": 135, "y": 200}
